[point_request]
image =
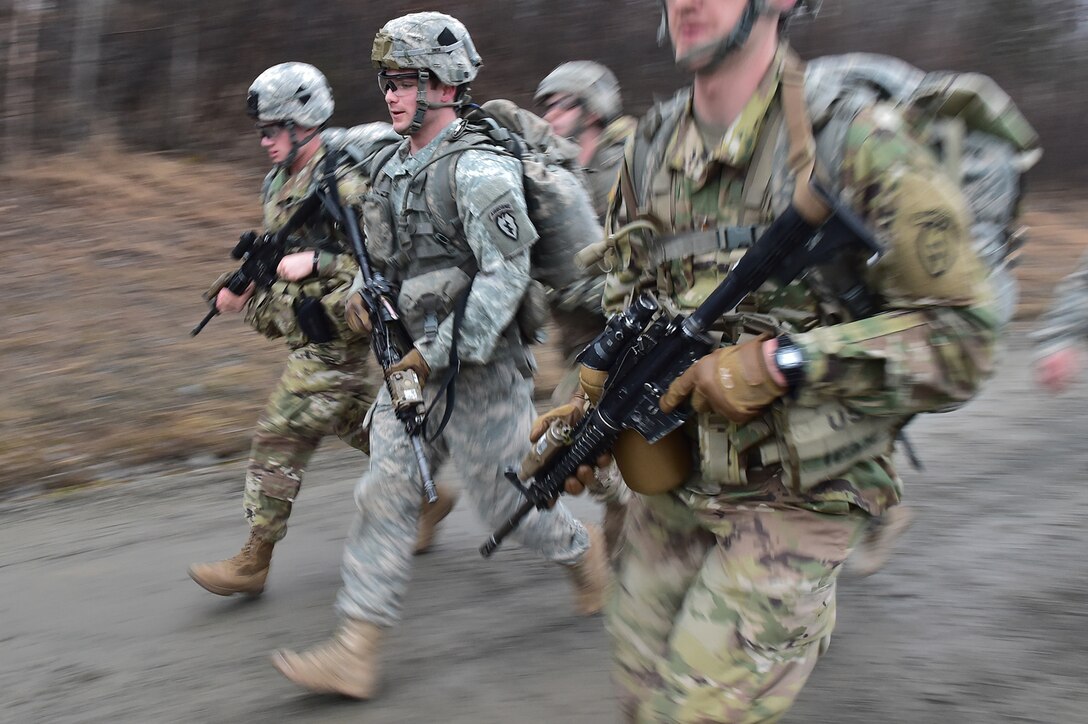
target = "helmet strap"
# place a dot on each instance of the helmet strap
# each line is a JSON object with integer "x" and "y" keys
{"x": 717, "y": 51}
{"x": 296, "y": 144}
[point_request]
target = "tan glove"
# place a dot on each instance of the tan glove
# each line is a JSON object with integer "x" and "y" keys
{"x": 213, "y": 291}
{"x": 413, "y": 361}
{"x": 731, "y": 381}
{"x": 356, "y": 316}
{"x": 570, "y": 413}
{"x": 592, "y": 382}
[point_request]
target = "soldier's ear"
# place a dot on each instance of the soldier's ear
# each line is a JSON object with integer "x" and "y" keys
{"x": 447, "y": 93}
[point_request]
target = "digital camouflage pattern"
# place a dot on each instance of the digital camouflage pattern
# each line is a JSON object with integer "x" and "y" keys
{"x": 489, "y": 426}
{"x": 593, "y": 84}
{"x": 295, "y": 93}
{"x": 488, "y": 431}
{"x": 728, "y": 584}
{"x": 324, "y": 387}
{"x": 1066, "y": 322}
{"x": 492, "y": 228}
{"x": 429, "y": 41}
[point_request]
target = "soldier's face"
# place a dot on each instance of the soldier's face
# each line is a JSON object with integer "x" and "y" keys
{"x": 697, "y": 24}
{"x": 276, "y": 141}
{"x": 401, "y": 97}
{"x": 562, "y": 112}
{"x": 694, "y": 24}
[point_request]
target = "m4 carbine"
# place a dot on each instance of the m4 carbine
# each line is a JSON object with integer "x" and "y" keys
{"x": 644, "y": 348}
{"x": 260, "y": 254}
{"x": 389, "y": 337}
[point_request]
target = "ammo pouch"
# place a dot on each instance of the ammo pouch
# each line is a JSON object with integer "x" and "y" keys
{"x": 809, "y": 444}
{"x": 314, "y": 321}
{"x": 426, "y": 300}
{"x": 534, "y": 313}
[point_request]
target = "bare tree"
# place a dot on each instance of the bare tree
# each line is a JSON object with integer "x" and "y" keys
{"x": 26, "y": 23}
{"x": 86, "y": 61}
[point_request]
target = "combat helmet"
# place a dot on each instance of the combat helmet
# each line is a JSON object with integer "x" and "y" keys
{"x": 296, "y": 95}
{"x": 434, "y": 45}
{"x": 594, "y": 85}
{"x": 721, "y": 48}
{"x": 291, "y": 93}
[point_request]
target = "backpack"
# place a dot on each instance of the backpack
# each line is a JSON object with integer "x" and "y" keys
{"x": 556, "y": 192}
{"x": 972, "y": 126}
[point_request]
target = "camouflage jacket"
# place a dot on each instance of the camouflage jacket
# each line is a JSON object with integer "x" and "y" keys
{"x": 1066, "y": 321}
{"x": 603, "y": 168}
{"x": 488, "y": 256}
{"x": 271, "y": 311}
{"x": 584, "y": 296}
{"x": 926, "y": 348}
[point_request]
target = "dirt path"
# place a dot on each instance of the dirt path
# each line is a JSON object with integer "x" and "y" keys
{"x": 979, "y": 618}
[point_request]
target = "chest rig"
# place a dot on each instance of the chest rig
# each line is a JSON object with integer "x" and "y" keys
{"x": 803, "y": 446}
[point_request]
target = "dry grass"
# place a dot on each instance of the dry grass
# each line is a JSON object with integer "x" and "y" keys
{"x": 106, "y": 256}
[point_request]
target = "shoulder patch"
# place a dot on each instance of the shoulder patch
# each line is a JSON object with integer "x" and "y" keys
{"x": 502, "y": 215}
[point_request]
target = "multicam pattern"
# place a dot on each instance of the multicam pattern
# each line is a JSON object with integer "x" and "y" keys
{"x": 727, "y": 591}
{"x": 325, "y": 387}
{"x": 721, "y": 616}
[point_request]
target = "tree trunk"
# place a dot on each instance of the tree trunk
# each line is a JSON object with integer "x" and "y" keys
{"x": 86, "y": 60}
{"x": 26, "y": 17}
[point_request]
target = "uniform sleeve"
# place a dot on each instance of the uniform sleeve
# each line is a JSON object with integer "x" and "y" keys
{"x": 1067, "y": 319}
{"x": 491, "y": 205}
{"x": 932, "y": 345}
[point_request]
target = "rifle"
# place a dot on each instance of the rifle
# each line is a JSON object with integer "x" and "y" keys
{"x": 389, "y": 337}
{"x": 644, "y": 348}
{"x": 260, "y": 254}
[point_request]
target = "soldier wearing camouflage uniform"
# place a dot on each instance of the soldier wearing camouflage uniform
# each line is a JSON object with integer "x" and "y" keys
{"x": 427, "y": 60}
{"x": 326, "y": 386}
{"x": 581, "y": 101}
{"x": 726, "y": 591}
{"x": 1057, "y": 358}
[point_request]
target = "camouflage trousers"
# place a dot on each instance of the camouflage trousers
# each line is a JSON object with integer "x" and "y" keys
{"x": 324, "y": 388}
{"x": 488, "y": 431}
{"x": 720, "y": 615}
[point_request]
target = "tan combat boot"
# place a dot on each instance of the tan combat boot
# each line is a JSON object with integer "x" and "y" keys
{"x": 345, "y": 664}
{"x": 878, "y": 541}
{"x": 591, "y": 576}
{"x": 432, "y": 514}
{"x": 245, "y": 573}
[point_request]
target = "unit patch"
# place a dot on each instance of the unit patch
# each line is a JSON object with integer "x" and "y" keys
{"x": 503, "y": 216}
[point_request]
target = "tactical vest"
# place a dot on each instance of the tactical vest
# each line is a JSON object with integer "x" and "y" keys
{"x": 421, "y": 246}
{"x": 274, "y": 312}
{"x": 808, "y": 445}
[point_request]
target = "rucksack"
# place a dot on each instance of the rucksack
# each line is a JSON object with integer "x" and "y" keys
{"x": 970, "y": 123}
{"x": 972, "y": 126}
{"x": 556, "y": 192}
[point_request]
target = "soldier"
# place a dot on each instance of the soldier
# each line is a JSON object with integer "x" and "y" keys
{"x": 1057, "y": 358}
{"x": 726, "y": 591}
{"x": 328, "y": 384}
{"x": 581, "y": 101}
{"x": 482, "y": 268}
